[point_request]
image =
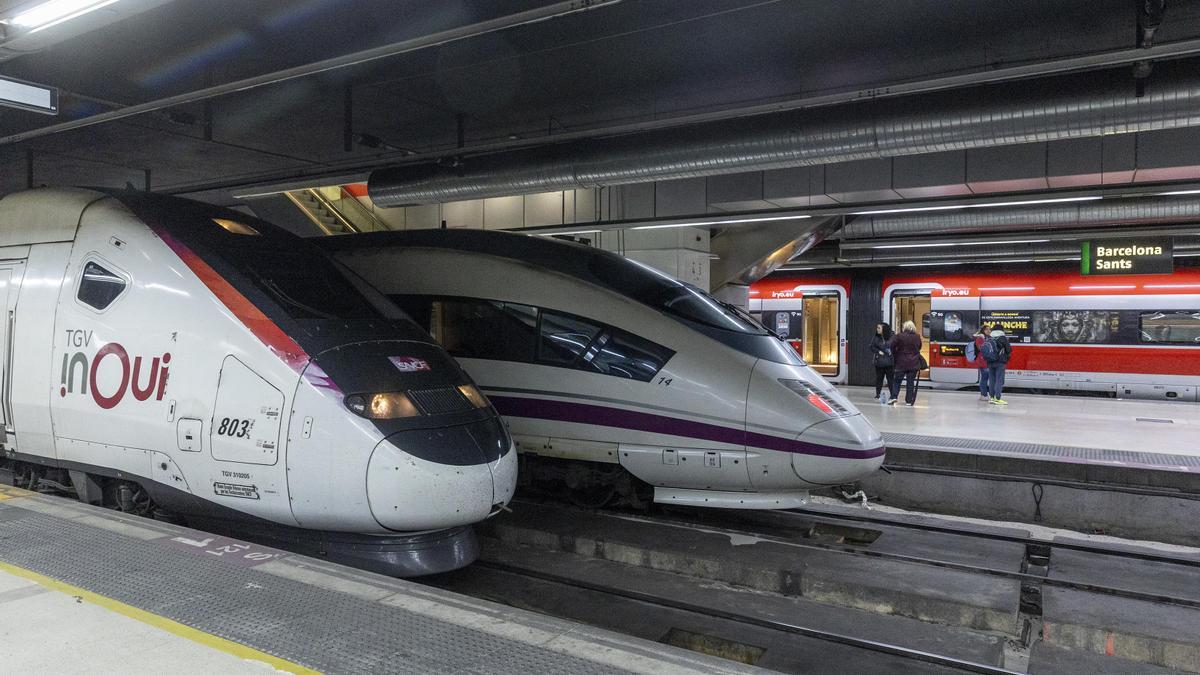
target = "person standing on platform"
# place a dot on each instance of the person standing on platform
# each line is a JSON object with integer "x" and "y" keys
{"x": 997, "y": 350}
{"x": 885, "y": 365}
{"x": 906, "y": 351}
{"x": 975, "y": 358}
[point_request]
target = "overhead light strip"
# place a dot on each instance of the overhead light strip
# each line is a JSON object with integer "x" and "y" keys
{"x": 987, "y": 205}
{"x": 55, "y": 12}
{"x": 732, "y": 221}
{"x": 965, "y": 243}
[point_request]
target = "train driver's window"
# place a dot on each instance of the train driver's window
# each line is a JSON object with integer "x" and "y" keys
{"x": 482, "y": 329}
{"x": 622, "y": 354}
{"x": 1171, "y": 327}
{"x": 564, "y": 338}
{"x": 99, "y": 287}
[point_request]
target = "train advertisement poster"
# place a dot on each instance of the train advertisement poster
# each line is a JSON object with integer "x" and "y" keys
{"x": 1068, "y": 326}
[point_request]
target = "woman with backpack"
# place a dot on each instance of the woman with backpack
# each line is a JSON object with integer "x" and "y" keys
{"x": 906, "y": 350}
{"x": 975, "y": 358}
{"x": 881, "y": 355}
{"x": 997, "y": 350}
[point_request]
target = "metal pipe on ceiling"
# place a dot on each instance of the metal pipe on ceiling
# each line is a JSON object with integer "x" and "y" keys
{"x": 1099, "y": 213}
{"x": 478, "y": 29}
{"x": 1042, "y": 110}
{"x": 1058, "y": 250}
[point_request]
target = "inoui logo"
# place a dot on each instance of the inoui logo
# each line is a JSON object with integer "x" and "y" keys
{"x": 82, "y": 374}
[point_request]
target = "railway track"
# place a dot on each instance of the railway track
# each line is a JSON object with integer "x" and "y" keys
{"x": 1039, "y": 553}
{"x": 793, "y": 629}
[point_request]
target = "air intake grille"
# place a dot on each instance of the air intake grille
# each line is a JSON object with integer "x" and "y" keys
{"x": 440, "y": 401}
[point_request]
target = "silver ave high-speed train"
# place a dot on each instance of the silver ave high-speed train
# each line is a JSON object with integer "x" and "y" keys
{"x": 615, "y": 378}
{"x": 171, "y": 358}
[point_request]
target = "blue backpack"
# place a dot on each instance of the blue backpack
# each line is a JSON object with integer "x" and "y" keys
{"x": 971, "y": 355}
{"x": 991, "y": 352}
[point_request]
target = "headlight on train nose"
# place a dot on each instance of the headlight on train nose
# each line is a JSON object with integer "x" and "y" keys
{"x": 386, "y": 406}
{"x": 472, "y": 394}
{"x": 817, "y": 398}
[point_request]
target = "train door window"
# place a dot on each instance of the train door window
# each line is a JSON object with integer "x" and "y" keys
{"x": 564, "y": 338}
{"x": 821, "y": 333}
{"x": 483, "y": 329}
{"x": 914, "y": 308}
{"x": 1179, "y": 327}
{"x": 622, "y": 354}
{"x": 99, "y": 286}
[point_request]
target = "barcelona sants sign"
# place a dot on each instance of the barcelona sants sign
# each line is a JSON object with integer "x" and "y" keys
{"x": 1143, "y": 255}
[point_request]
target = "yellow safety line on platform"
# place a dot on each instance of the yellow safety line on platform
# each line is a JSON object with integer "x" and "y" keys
{"x": 10, "y": 492}
{"x": 163, "y": 623}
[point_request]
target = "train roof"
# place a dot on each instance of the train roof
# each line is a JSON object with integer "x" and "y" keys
{"x": 588, "y": 264}
{"x": 591, "y": 265}
{"x": 43, "y": 215}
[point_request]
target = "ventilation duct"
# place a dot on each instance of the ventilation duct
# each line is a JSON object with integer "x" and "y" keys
{"x": 1022, "y": 112}
{"x": 1099, "y": 213}
{"x": 968, "y": 254}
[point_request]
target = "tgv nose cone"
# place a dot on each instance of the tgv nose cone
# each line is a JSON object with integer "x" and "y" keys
{"x": 845, "y": 449}
{"x": 407, "y": 493}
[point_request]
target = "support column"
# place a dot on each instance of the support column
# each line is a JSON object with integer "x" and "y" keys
{"x": 866, "y": 296}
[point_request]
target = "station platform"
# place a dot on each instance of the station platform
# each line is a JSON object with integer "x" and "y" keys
{"x": 1124, "y": 467}
{"x": 1073, "y": 429}
{"x": 85, "y": 589}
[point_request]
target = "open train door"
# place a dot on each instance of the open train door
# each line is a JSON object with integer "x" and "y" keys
{"x": 953, "y": 321}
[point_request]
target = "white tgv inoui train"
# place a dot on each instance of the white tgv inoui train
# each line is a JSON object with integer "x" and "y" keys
{"x": 165, "y": 356}
{"x": 592, "y": 357}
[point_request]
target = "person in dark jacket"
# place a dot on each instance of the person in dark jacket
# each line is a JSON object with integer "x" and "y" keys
{"x": 997, "y": 366}
{"x": 881, "y": 356}
{"x": 976, "y": 350}
{"x": 906, "y": 350}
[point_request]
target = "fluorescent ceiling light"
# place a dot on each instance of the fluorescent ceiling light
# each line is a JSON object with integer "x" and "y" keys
{"x": 733, "y": 221}
{"x": 1186, "y": 255}
{"x": 795, "y": 269}
{"x": 1174, "y": 193}
{"x": 978, "y": 206}
{"x": 556, "y": 234}
{"x": 965, "y": 243}
{"x": 1172, "y": 286}
{"x": 1007, "y": 288}
{"x": 54, "y": 12}
{"x": 927, "y": 264}
{"x": 1115, "y": 287}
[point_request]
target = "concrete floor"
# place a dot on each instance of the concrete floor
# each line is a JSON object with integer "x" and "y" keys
{"x": 1073, "y": 421}
{"x": 44, "y": 630}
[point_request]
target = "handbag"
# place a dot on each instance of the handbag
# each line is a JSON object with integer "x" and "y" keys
{"x": 884, "y": 359}
{"x": 921, "y": 362}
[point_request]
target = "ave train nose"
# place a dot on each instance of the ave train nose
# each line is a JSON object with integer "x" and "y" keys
{"x": 833, "y": 443}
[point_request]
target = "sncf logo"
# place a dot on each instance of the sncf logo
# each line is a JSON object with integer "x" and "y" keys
{"x": 409, "y": 364}
{"x": 138, "y": 376}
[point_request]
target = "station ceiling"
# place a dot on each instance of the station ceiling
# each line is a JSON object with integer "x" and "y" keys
{"x": 614, "y": 64}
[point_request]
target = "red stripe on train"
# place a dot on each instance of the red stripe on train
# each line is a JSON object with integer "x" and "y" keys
{"x": 252, "y": 317}
{"x": 1098, "y": 359}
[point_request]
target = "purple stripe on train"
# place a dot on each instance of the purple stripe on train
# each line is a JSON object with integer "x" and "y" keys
{"x": 585, "y": 413}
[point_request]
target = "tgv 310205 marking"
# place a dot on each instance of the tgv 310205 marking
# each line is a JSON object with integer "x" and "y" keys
{"x": 208, "y": 365}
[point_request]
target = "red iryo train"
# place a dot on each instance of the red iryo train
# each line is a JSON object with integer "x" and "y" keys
{"x": 1135, "y": 336}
